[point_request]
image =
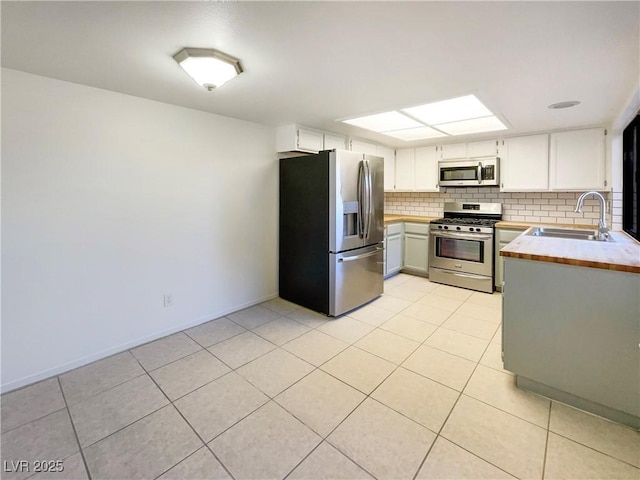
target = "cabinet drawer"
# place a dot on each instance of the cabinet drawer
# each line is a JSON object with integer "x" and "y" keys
{"x": 394, "y": 229}
{"x": 419, "y": 228}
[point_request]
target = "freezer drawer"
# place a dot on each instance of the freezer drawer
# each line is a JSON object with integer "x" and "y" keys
{"x": 356, "y": 277}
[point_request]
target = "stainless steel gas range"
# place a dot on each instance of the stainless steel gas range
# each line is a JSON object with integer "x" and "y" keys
{"x": 461, "y": 245}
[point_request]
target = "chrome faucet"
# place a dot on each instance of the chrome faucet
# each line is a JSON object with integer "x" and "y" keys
{"x": 603, "y": 231}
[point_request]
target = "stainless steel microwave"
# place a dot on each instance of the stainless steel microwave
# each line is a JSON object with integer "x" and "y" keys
{"x": 469, "y": 173}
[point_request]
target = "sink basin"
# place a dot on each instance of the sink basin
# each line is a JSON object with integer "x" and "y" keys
{"x": 575, "y": 234}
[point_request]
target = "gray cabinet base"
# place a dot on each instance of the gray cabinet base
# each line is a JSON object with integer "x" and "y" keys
{"x": 581, "y": 403}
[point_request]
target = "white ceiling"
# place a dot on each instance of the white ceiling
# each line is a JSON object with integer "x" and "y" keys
{"x": 315, "y": 62}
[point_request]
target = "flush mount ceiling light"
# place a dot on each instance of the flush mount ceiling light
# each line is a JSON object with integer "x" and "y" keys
{"x": 209, "y": 68}
{"x": 456, "y": 116}
{"x": 559, "y": 105}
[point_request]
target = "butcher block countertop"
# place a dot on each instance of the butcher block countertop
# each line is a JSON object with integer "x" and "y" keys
{"x": 622, "y": 253}
{"x": 524, "y": 225}
{"x": 407, "y": 218}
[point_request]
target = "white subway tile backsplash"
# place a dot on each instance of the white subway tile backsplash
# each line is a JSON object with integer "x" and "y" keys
{"x": 549, "y": 207}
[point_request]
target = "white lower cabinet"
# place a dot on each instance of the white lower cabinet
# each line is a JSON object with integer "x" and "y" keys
{"x": 416, "y": 248}
{"x": 503, "y": 237}
{"x": 393, "y": 249}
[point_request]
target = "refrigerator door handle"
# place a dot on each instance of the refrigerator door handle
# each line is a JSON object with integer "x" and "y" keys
{"x": 370, "y": 202}
{"x": 361, "y": 187}
{"x": 358, "y": 257}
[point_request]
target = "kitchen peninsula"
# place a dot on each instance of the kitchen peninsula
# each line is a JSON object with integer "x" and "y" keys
{"x": 571, "y": 321}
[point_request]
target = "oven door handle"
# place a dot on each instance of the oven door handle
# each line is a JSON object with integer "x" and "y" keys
{"x": 463, "y": 236}
{"x": 459, "y": 274}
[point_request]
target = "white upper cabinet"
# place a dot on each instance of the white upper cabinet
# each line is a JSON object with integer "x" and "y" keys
{"x": 577, "y": 160}
{"x": 389, "y": 156}
{"x": 524, "y": 163}
{"x": 426, "y": 169}
{"x": 405, "y": 169}
{"x": 453, "y": 151}
{"x": 291, "y": 138}
{"x": 362, "y": 147}
{"x": 332, "y": 141}
{"x": 484, "y": 148}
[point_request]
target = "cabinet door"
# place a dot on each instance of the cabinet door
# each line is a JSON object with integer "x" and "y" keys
{"x": 416, "y": 252}
{"x": 503, "y": 238}
{"x": 394, "y": 253}
{"x": 453, "y": 151}
{"x": 524, "y": 163}
{"x": 308, "y": 140}
{"x": 334, "y": 141}
{"x": 484, "y": 148}
{"x": 426, "y": 169}
{"x": 405, "y": 169}
{"x": 577, "y": 160}
{"x": 389, "y": 156}
{"x": 362, "y": 147}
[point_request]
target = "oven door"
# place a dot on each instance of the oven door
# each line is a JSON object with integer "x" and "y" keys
{"x": 462, "y": 252}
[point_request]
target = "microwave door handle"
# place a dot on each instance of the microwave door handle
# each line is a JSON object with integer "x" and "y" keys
{"x": 479, "y": 172}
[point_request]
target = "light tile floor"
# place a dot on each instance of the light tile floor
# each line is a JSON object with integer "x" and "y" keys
{"x": 409, "y": 386}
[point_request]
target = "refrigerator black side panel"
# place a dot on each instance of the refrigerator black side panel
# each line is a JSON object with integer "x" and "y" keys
{"x": 304, "y": 236}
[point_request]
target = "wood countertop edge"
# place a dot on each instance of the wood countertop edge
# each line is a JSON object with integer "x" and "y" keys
{"x": 572, "y": 261}
{"x": 393, "y": 218}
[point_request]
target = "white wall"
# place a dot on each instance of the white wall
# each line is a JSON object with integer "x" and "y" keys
{"x": 110, "y": 201}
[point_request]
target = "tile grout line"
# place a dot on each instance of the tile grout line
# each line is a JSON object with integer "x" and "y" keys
{"x": 546, "y": 443}
{"x": 439, "y": 433}
{"x": 204, "y": 444}
{"x": 73, "y": 426}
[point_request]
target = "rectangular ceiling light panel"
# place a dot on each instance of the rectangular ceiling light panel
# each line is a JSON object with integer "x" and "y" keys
{"x": 453, "y": 110}
{"x": 421, "y": 133}
{"x": 456, "y": 116}
{"x": 382, "y": 122}
{"x": 475, "y": 125}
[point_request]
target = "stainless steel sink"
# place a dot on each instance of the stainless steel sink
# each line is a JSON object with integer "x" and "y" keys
{"x": 576, "y": 234}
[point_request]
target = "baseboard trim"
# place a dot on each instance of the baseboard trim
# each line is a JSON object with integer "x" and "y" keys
{"x": 66, "y": 367}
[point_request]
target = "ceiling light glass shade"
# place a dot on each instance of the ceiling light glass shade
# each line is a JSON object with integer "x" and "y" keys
{"x": 382, "y": 122}
{"x": 452, "y": 110}
{"x": 415, "y": 133}
{"x": 209, "y": 68}
{"x": 475, "y": 125}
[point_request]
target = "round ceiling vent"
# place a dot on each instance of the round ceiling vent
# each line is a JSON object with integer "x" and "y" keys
{"x": 570, "y": 103}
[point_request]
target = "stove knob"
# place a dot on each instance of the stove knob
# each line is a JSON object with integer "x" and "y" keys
{"x": 477, "y": 229}
{"x": 458, "y": 228}
{"x": 471, "y": 229}
{"x": 446, "y": 228}
{"x": 440, "y": 227}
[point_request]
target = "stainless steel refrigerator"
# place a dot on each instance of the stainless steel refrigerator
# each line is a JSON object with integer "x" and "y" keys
{"x": 331, "y": 230}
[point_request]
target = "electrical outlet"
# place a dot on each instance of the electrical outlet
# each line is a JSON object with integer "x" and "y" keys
{"x": 168, "y": 300}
